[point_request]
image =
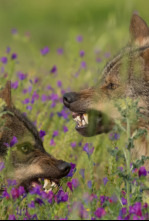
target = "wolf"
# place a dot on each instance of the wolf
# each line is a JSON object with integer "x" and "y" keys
{"x": 124, "y": 76}
{"x": 29, "y": 163}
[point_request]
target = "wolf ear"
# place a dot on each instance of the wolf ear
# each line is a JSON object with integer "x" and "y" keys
{"x": 139, "y": 30}
{"x": 5, "y": 94}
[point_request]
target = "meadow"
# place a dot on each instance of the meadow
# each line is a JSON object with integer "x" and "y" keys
{"x": 47, "y": 49}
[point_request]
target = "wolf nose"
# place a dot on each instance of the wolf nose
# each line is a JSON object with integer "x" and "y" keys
{"x": 69, "y": 98}
{"x": 65, "y": 167}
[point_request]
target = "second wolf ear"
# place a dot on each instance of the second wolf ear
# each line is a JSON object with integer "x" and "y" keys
{"x": 5, "y": 94}
{"x": 139, "y": 31}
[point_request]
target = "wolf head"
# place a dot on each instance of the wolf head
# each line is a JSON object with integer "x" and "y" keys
{"x": 29, "y": 162}
{"x": 126, "y": 75}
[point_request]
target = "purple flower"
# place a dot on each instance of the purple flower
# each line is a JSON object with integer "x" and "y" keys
{"x": 69, "y": 184}
{"x": 79, "y": 38}
{"x": 59, "y": 84}
{"x": 13, "y": 141}
{"x": 29, "y": 108}
{"x": 14, "y": 56}
{"x": 8, "y": 49}
{"x": 22, "y": 76}
{"x": 82, "y": 53}
{"x": 107, "y": 54}
{"x": 12, "y": 217}
{"x": 75, "y": 183}
{"x": 6, "y": 194}
{"x": 39, "y": 201}
{"x": 31, "y": 205}
{"x": 15, "y": 85}
{"x": 26, "y": 101}
{"x": 124, "y": 201}
{"x": 4, "y": 60}
{"x": 82, "y": 173}
{"x": 14, "y": 31}
{"x": 89, "y": 184}
{"x": 54, "y": 69}
{"x": 98, "y": 60}
{"x": 83, "y": 64}
{"x": 105, "y": 181}
{"x": 55, "y": 134}
{"x": 60, "y": 51}
{"x": 42, "y": 133}
{"x": 103, "y": 199}
{"x": 61, "y": 197}
{"x": 2, "y": 166}
{"x": 45, "y": 51}
{"x": 73, "y": 145}
{"x": 52, "y": 142}
{"x": 100, "y": 212}
{"x": 114, "y": 136}
{"x": 21, "y": 190}
{"x": 88, "y": 150}
{"x": 11, "y": 182}
{"x": 72, "y": 171}
{"x": 65, "y": 129}
{"x": 83, "y": 212}
{"x": 142, "y": 172}
{"x": 15, "y": 193}
{"x": 136, "y": 209}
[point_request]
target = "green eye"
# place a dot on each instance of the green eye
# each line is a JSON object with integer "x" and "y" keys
{"x": 25, "y": 147}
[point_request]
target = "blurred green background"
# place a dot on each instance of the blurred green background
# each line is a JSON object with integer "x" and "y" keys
{"x": 52, "y": 21}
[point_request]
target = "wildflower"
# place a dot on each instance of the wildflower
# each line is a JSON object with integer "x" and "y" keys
{"x": 100, "y": 212}
{"x": 14, "y": 85}
{"x": 79, "y": 38}
{"x": 107, "y": 54}
{"x": 83, "y": 64}
{"x": 60, "y": 51}
{"x": 136, "y": 209}
{"x": 6, "y": 194}
{"x": 124, "y": 201}
{"x": 42, "y": 133}
{"x": 8, "y": 49}
{"x": 88, "y": 150}
{"x": 103, "y": 199}
{"x": 54, "y": 70}
{"x": 73, "y": 145}
{"x": 39, "y": 201}
{"x": 26, "y": 101}
{"x": 45, "y": 51}
{"x": 82, "y": 53}
{"x": 14, "y": 31}
{"x": 75, "y": 183}
{"x": 59, "y": 84}
{"x": 65, "y": 129}
{"x": 114, "y": 136}
{"x": 11, "y": 183}
{"x": 98, "y": 60}
{"x": 21, "y": 190}
{"x": 105, "y": 181}
{"x": 4, "y": 60}
{"x": 82, "y": 173}
{"x": 52, "y": 142}
{"x": 89, "y": 184}
{"x": 55, "y": 134}
{"x": 72, "y": 171}
{"x": 61, "y": 197}
{"x": 50, "y": 197}
{"x": 22, "y": 76}
{"x": 83, "y": 212}
{"x": 12, "y": 217}
{"x": 142, "y": 172}
{"x": 14, "y": 56}
{"x": 13, "y": 141}
{"x": 2, "y": 166}
{"x": 69, "y": 184}
{"x": 15, "y": 193}
{"x": 29, "y": 108}
{"x": 31, "y": 205}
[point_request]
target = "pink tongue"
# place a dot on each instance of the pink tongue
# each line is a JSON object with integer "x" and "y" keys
{"x": 74, "y": 115}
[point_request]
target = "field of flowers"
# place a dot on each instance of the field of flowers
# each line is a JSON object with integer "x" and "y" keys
{"x": 103, "y": 183}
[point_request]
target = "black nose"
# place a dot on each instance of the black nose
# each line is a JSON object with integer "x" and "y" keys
{"x": 69, "y": 98}
{"x": 64, "y": 167}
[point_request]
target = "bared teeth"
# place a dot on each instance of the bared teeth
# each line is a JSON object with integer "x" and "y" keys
{"x": 85, "y": 118}
{"x": 47, "y": 183}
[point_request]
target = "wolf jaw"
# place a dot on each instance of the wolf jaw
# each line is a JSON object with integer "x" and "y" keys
{"x": 137, "y": 86}
{"x": 29, "y": 163}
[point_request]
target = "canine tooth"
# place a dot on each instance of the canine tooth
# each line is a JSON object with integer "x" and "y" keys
{"x": 46, "y": 183}
{"x": 78, "y": 118}
{"x": 86, "y": 118}
{"x": 83, "y": 122}
{"x": 53, "y": 184}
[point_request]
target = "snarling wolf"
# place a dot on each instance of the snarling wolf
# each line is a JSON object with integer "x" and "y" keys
{"x": 125, "y": 76}
{"x": 29, "y": 163}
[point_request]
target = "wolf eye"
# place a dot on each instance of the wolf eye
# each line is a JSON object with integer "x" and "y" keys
{"x": 111, "y": 86}
{"x": 25, "y": 149}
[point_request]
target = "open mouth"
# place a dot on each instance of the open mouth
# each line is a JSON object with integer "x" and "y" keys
{"x": 92, "y": 123}
{"x": 46, "y": 185}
